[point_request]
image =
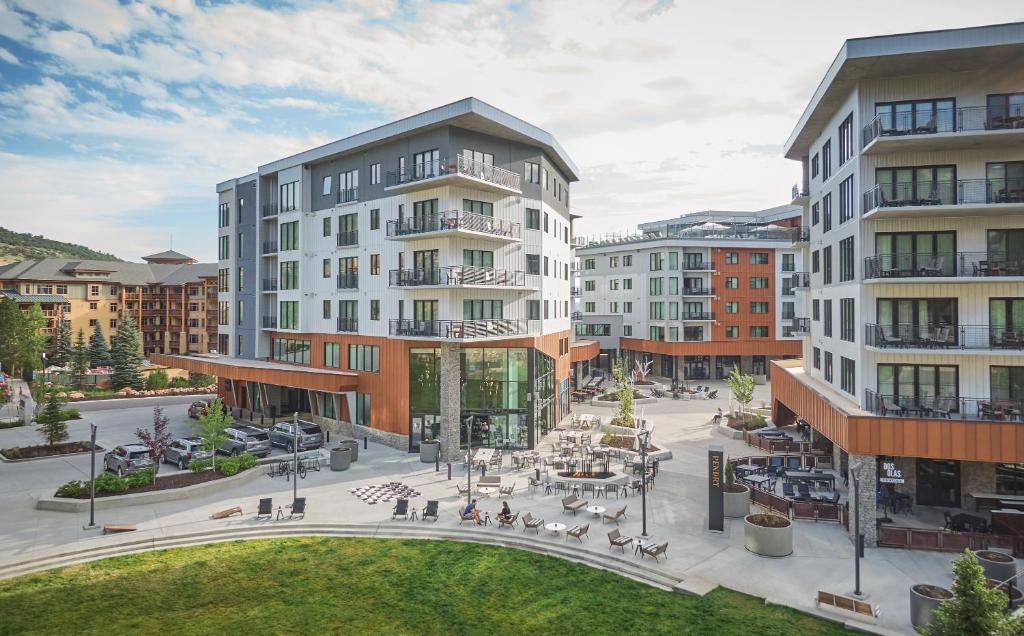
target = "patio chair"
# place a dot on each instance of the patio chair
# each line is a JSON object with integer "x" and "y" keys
{"x": 462, "y": 488}
{"x": 430, "y": 510}
{"x": 804, "y": 490}
{"x": 787, "y": 490}
{"x": 298, "y": 508}
{"x": 616, "y": 540}
{"x": 654, "y": 551}
{"x": 510, "y": 522}
{"x": 713, "y": 394}
{"x": 615, "y": 515}
{"x": 572, "y": 503}
{"x": 934, "y": 268}
{"x": 507, "y": 490}
{"x": 533, "y": 483}
{"x": 401, "y": 509}
{"x": 464, "y": 518}
{"x": 885, "y": 340}
{"x": 266, "y": 508}
{"x": 578, "y": 532}
{"x": 530, "y": 523}
{"x": 943, "y": 407}
{"x": 793, "y": 463}
{"x": 889, "y": 404}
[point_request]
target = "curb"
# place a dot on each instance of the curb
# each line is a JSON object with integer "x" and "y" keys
{"x": 115, "y": 398}
{"x": 99, "y": 449}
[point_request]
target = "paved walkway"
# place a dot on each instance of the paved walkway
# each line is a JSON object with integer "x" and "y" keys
{"x": 676, "y": 513}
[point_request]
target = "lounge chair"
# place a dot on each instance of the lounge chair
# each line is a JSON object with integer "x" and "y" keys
{"x": 572, "y": 503}
{"x": 884, "y": 340}
{"x": 935, "y": 267}
{"x": 298, "y": 508}
{"x": 616, "y": 540}
{"x": 804, "y": 490}
{"x": 510, "y": 522}
{"x": 530, "y": 523}
{"x": 578, "y": 532}
{"x": 712, "y": 395}
{"x": 266, "y": 508}
{"x": 614, "y": 515}
{"x": 787, "y": 490}
{"x": 430, "y": 510}
{"x": 462, "y": 488}
{"x": 654, "y": 551}
{"x": 507, "y": 490}
{"x": 464, "y": 518}
{"x": 401, "y": 509}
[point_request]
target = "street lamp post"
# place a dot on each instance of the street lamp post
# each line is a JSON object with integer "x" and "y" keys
{"x": 855, "y": 474}
{"x": 92, "y": 478}
{"x": 468, "y": 423}
{"x": 643, "y": 438}
{"x": 295, "y": 457}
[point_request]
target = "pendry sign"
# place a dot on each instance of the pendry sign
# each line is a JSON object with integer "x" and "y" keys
{"x": 716, "y": 489}
{"x": 891, "y": 474}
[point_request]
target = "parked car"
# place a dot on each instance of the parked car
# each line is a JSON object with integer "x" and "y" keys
{"x": 184, "y": 451}
{"x": 199, "y": 408}
{"x": 246, "y": 439}
{"x": 130, "y": 458}
{"x": 310, "y": 436}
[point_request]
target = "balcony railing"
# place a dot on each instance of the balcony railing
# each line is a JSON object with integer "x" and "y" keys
{"x": 698, "y": 291}
{"x": 800, "y": 234}
{"x": 943, "y": 336}
{"x": 698, "y": 315}
{"x": 944, "y": 407}
{"x": 270, "y": 322}
{"x": 348, "y": 195}
{"x": 959, "y": 192}
{"x": 702, "y": 266}
{"x": 348, "y": 324}
{"x": 801, "y": 326}
{"x": 270, "y": 247}
{"x": 269, "y": 209}
{"x": 348, "y": 280}
{"x": 576, "y": 315}
{"x": 579, "y": 241}
{"x": 944, "y": 120}
{"x": 454, "y": 220}
{"x": 797, "y": 192}
{"x": 462, "y": 165}
{"x": 943, "y": 264}
{"x": 458, "y": 329}
{"x": 346, "y": 239}
{"x": 457, "y": 276}
{"x": 801, "y": 280}
{"x": 576, "y": 292}
{"x": 269, "y": 284}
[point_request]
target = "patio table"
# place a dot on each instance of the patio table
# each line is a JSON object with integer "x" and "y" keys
{"x": 597, "y": 511}
{"x": 555, "y": 528}
{"x": 756, "y": 480}
{"x": 748, "y": 468}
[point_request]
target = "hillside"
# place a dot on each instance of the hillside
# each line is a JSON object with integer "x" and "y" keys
{"x": 16, "y": 246}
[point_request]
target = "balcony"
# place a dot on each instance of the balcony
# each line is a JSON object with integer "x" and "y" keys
{"x": 944, "y": 338}
{"x": 579, "y": 241}
{"x": 698, "y": 291}
{"x": 699, "y": 316}
{"x": 454, "y": 223}
{"x": 799, "y": 195}
{"x": 944, "y": 407}
{"x": 270, "y": 322}
{"x": 576, "y": 315}
{"x": 348, "y": 239}
{"x": 462, "y": 172}
{"x": 269, "y": 284}
{"x": 801, "y": 326}
{"x": 963, "y": 197}
{"x": 458, "y": 329}
{"x": 694, "y": 266}
{"x": 949, "y": 267}
{"x": 269, "y": 248}
{"x": 348, "y": 324}
{"x": 347, "y": 195}
{"x": 801, "y": 280}
{"x": 575, "y": 292}
{"x": 945, "y": 129}
{"x": 269, "y": 209}
{"x": 457, "y": 276}
{"x": 348, "y": 280}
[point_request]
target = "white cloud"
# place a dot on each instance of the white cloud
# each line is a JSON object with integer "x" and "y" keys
{"x": 7, "y": 56}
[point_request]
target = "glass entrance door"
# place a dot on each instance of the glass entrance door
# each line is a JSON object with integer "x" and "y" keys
{"x": 938, "y": 483}
{"x": 423, "y": 427}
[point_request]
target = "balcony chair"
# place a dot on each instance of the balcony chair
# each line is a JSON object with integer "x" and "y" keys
{"x": 934, "y": 268}
{"x": 890, "y": 404}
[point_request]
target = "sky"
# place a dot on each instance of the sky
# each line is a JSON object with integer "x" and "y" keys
{"x": 118, "y": 118}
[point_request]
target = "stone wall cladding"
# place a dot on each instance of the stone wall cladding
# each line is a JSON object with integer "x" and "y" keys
{"x": 977, "y": 477}
{"x": 341, "y": 429}
{"x": 868, "y": 512}
{"x": 451, "y": 402}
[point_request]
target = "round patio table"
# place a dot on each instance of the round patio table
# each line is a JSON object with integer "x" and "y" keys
{"x": 487, "y": 491}
{"x": 597, "y": 511}
{"x": 555, "y": 527}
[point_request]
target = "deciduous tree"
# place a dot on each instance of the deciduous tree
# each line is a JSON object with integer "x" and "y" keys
{"x": 157, "y": 439}
{"x": 211, "y": 427}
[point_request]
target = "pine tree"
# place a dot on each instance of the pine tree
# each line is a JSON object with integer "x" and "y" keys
{"x": 51, "y": 419}
{"x": 61, "y": 354}
{"x": 99, "y": 354}
{"x": 975, "y": 607}
{"x": 126, "y": 356}
{"x": 79, "y": 360}
{"x": 31, "y": 341}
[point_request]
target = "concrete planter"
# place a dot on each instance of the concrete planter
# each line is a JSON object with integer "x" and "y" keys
{"x": 1015, "y": 598}
{"x": 924, "y": 600}
{"x": 760, "y": 379}
{"x": 341, "y": 458}
{"x": 429, "y": 451}
{"x": 997, "y": 565}
{"x": 353, "y": 446}
{"x": 737, "y": 504}
{"x": 768, "y": 541}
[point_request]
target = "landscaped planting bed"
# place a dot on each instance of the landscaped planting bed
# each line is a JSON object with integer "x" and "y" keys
{"x": 33, "y": 452}
{"x": 372, "y": 586}
{"x": 110, "y": 485}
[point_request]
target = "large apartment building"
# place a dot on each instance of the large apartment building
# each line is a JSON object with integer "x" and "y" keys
{"x": 696, "y": 295}
{"x": 409, "y": 282}
{"x": 172, "y": 298}
{"x": 912, "y": 150}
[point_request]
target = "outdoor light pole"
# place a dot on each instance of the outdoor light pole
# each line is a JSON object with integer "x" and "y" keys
{"x": 295, "y": 457}
{"x": 92, "y": 479}
{"x": 855, "y": 474}
{"x": 642, "y": 438}
{"x": 468, "y": 423}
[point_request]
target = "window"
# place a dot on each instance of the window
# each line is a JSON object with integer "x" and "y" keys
{"x": 759, "y": 282}
{"x": 815, "y": 261}
{"x": 362, "y": 415}
{"x": 289, "y": 314}
{"x": 732, "y": 282}
{"x": 657, "y": 311}
{"x": 547, "y": 222}
{"x": 375, "y": 219}
{"x": 789, "y": 262}
{"x": 627, "y": 330}
{"x": 826, "y": 255}
{"x": 847, "y": 381}
{"x": 656, "y": 261}
{"x": 326, "y": 308}
{"x": 532, "y": 219}
{"x": 732, "y": 307}
{"x": 759, "y": 258}
{"x": 758, "y": 307}
{"x": 547, "y": 269}
{"x": 759, "y": 332}
{"x": 113, "y": 308}
{"x": 673, "y": 260}
{"x": 673, "y": 311}
{"x": 732, "y": 331}
{"x": 327, "y": 268}
{"x": 374, "y": 310}
{"x": 93, "y": 322}
{"x": 826, "y": 160}
{"x": 590, "y": 307}
{"x": 828, "y": 366}
{"x": 732, "y": 258}
{"x": 788, "y": 310}
{"x": 290, "y": 236}
{"x": 613, "y": 261}
{"x": 478, "y": 207}
{"x": 364, "y": 358}
{"x": 374, "y": 173}
{"x": 627, "y": 260}
{"x": 224, "y": 215}
{"x": 816, "y": 356}
{"x": 627, "y": 307}
{"x": 627, "y": 283}
{"x": 289, "y": 196}
{"x": 846, "y": 259}
{"x": 914, "y": 185}
{"x": 673, "y": 334}
{"x": 348, "y": 186}
{"x": 533, "y": 263}
{"x": 827, "y": 318}
{"x": 655, "y": 286}
{"x": 289, "y": 275}
{"x": 814, "y": 166}
{"x": 1010, "y": 479}
{"x": 911, "y": 381}
{"x": 846, "y": 139}
{"x": 241, "y": 279}
{"x": 816, "y": 309}
{"x": 240, "y": 311}
{"x": 846, "y": 200}
{"x": 483, "y": 309}
{"x": 326, "y": 187}
{"x": 815, "y": 213}
{"x": 332, "y": 353}
{"x": 613, "y": 307}
{"x": 916, "y": 117}
{"x": 531, "y": 172}
{"x": 673, "y": 285}
{"x": 62, "y": 289}
{"x": 533, "y": 310}
{"x": 657, "y": 333}
{"x": 223, "y": 247}
{"x": 223, "y": 276}
{"x": 847, "y": 320}
{"x": 826, "y": 212}
{"x": 290, "y": 350}
{"x": 113, "y": 323}
{"x": 589, "y": 285}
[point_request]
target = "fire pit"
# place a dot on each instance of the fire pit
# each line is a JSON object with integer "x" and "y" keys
{"x": 580, "y": 474}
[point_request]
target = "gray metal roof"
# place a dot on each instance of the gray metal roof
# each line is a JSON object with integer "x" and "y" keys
{"x": 32, "y": 298}
{"x": 61, "y": 270}
{"x": 168, "y": 255}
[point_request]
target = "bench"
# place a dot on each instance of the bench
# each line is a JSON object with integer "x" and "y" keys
{"x": 111, "y": 528}
{"x": 846, "y": 606}
{"x": 224, "y": 514}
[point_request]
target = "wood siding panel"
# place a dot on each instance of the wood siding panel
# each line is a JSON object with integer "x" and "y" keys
{"x": 731, "y": 347}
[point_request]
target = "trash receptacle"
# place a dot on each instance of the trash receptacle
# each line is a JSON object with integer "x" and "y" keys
{"x": 353, "y": 447}
{"x": 341, "y": 458}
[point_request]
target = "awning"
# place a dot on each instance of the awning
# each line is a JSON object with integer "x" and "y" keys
{"x": 265, "y": 371}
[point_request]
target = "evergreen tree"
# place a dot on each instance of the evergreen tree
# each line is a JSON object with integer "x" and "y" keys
{"x": 51, "y": 419}
{"x": 975, "y": 607}
{"x": 61, "y": 354}
{"x": 126, "y": 356}
{"x": 79, "y": 360}
{"x": 10, "y": 327}
{"x": 99, "y": 354}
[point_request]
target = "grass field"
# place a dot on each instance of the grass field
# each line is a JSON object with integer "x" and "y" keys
{"x": 369, "y": 586}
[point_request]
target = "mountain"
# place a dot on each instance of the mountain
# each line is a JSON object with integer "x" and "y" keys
{"x": 17, "y": 246}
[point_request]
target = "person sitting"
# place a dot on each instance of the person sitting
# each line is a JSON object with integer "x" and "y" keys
{"x": 718, "y": 416}
{"x": 472, "y": 511}
{"x": 506, "y": 512}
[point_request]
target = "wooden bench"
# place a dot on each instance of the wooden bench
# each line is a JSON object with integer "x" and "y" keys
{"x": 224, "y": 514}
{"x": 111, "y": 528}
{"x": 846, "y": 606}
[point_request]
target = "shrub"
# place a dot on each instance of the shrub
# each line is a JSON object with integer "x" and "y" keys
{"x": 229, "y": 466}
{"x": 73, "y": 489}
{"x": 179, "y": 383}
{"x": 759, "y": 420}
{"x": 201, "y": 379}
{"x": 246, "y": 461}
{"x": 70, "y": 414}
{"x": 200, "y": 465}
{"x": 139, "y": 479}
{"x": 157, "y": 380}
{"x": 606, "y": 438}
{"x": 12, "y": 453}
{"x": 108, "y": 482}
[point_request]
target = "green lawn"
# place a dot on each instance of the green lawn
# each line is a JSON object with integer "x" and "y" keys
{"x": 369, "y": 586}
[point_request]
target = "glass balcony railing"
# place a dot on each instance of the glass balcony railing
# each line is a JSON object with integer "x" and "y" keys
{"x": 458, "y": 329}
{"x": 453, "y": 221}
{"x": 348, "y": 324}
{"x": 801, "y": 326}
{"x": 348, "y": 280}
{"x": 943, "y": 264}
{"x": 944, "y": 120}
{"x": 698, "y": 315}
{"x": 348, "y": 195}
{"x": 944, "y": 407}
{"x": 698, "y": 291}
{"x": 462, "y": 165}
{"x": 269, "y": 209}
{"x": 943, "y": 336}
{"x": 270, "y": 322}
{"x": 930, "y": 193}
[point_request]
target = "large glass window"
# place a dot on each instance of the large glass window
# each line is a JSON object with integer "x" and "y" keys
{"x": 426, "y": 164}
{"x": 290, "y": 350}
{"x": 916, "y": 117}
{"x": 495, "y": 378}
{"x": 1005, "y": 111}
{"x": 478, "y": 207}
{"x": 906, "y": 253}
{"x": 919, "y": 320}
{"x": 289, "y": 236}
{"x": 289, "y": 275}
{"x": 911, "y": 384}
{"x": 289, "y": 314}
{"x": 482, "y": 309}
{"x": 425, "y": 380}
{"x": 1006, "y": 321}
{"x": 1005, "y": 252}
{"x": 923, "y": 185}
{"x": 1007, "y": 383}
{"x": 364, "y": 357}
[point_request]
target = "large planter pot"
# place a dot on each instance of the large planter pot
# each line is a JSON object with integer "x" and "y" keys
{"x": 924, "y": 600}
{"x": 1015, "y": 598}
{"x": 737, "y": 504}
{"x": 429, "y": 451}
{"x": 353, "y": 446}
{"x": 997, "y": 565}
{"x": 774, "y": 540}
{"x": 341, "y": 458}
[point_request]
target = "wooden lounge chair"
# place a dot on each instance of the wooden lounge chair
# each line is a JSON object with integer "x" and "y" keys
{"x": 614, "y": 515}
{"x": 430, "y": 510}
{"x": 572, "y": 503}
{"x": 577, "y": 532}
{"x": 507, "y": 490}
{"x": 616, "y": 540}
{"x": 266, "y": 508}
{"x": 298, "y": 508}
{"x": 401, "y": 509}
{"x": 510, "y": 522}
{"x": 935, "y": 267}
{"x": 224, "y": 514}
{"x": 530, "y": 523}
{"x": 462, "y": 488}
{"x": 654, "y": 551}
{"x": 113, "y": 528}
{"x": 464, "y": 518}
